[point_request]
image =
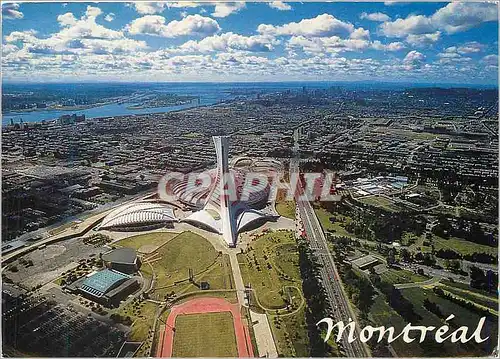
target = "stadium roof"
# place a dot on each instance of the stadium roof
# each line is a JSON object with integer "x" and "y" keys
{"x": 120, "y": 255}
{"x": 138, "y": 213}
{"x": 102, "y": 282}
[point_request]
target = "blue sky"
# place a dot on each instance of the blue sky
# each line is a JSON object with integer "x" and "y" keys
{"x": 276, "y": 41}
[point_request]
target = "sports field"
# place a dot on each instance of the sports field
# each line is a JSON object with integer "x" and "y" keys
{"x": 197, "y": 334}
{"x": 205, "y": 335}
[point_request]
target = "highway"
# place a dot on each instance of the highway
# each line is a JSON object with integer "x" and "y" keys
{"x": 339, "y": 305}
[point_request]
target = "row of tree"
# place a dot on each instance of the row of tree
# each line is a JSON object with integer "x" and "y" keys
{"x": 315, "y": 297}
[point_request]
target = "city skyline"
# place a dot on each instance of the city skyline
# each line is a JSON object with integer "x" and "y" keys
{"x": 241, "y": 42}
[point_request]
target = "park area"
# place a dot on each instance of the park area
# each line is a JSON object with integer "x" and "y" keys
{"x": 172, "y": 261}
{"x": 462, "y": 246}
{"x": 381, "y": 202}
{"x": 147, "y": 243}
{"x": 286, "y": 209}
{"x": 333, "y": 222}
{"x": 271, "y": 266}
{"x": 398, "y": 276}
{"x": 381, "y": 313}
{"x": 205, "y": 335}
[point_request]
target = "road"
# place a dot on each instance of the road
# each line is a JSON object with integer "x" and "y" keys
{"x": 339, "y": 305}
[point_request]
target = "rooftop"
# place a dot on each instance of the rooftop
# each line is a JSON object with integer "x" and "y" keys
{"x": 103, "y": 281}
{"x": 120, "y": 255}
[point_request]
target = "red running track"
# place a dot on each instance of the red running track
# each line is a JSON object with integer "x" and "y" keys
{"x": 205, "y": 305}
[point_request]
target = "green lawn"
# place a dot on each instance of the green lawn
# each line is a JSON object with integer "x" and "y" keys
{"x": 172, "y": 261}
{"x": 142, "y": 315}
{"x": 463, "y": 317}
{"x": 474, "y": 297}
{"x": 276, "y": 284}
{"x": 290, "y": 334}
{"x": 466, "y": 287}
{"x": 219, "y": 276}
{"x": 155, "y": 239}
{"x": 382, "y": 314}
{"x": 205, "y": 335}
{"x": 286, "y": 209}
{"x": 336, "y": 227}
{"x": 381, "y": 202}
{"x": 270, "y": 264}
{"x": 395, "y": 276}
{"x": 462, "y": 246}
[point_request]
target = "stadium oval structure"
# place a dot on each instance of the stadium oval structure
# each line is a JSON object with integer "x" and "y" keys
{"x": 196, "y": 195}
{"x": 138, "y": 215}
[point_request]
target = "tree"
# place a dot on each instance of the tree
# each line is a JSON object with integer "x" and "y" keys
{"x": 391, "y": 257}
{"x": 405, "y": 255}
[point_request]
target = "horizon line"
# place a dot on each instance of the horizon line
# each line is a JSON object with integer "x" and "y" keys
{"x": 454, "y": 84}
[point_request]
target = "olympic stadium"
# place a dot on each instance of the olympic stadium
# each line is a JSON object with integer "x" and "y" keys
{"x": 211, "y": 207}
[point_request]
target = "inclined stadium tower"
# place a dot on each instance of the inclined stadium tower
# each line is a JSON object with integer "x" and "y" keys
{"x": 215, "y": 209}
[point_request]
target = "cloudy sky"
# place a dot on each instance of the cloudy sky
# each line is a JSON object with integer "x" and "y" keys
{"x": 276, "y": 41}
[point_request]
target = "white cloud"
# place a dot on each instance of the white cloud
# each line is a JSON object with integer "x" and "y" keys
{"x": 226, "y": 9}
{"x": 451, "y": 56}
{"x": 471, "y": 47}
{"x": 490, "y": 60}
{"x": 9, "y": 48}
{"x": 92, "y": 11}
{"x": 462, "y": 16}
{"x": 109, "y": 17}
{"x": 86, "y": 27}
{"x": 11, "y": 11}
{"x": 77, "y": 36}
{"x": 376, "y": 16}
{"x": 149, "y": 8}
{"x": 321, "y": 45}
{"x": 67, "y": 19}
{"x": 360, "y": 33}
{"x": 230, "y": 42}
{"x": 194, "y": 25}
{"x": 452, "y": 18}
{"x": 423, "y": 39}
{"x": 183, "y": 4}
{"x": 22, "y": 36}
{"x": 335, "y": 45}
{"x": 393, "y": 46}
{"x": 162, "y": 65}
{"x": 448, "y": 55}
{"x": 414, "y": 25}
{"x": 85, "y": 49}
{"x": 321, "y": 26}
{"x": 413, "y": 60}
{"x": 280, "y": 5}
